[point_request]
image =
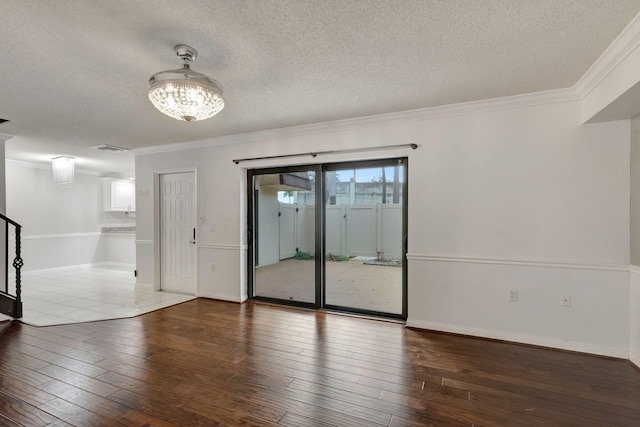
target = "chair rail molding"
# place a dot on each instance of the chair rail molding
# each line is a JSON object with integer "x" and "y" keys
{"x": 521, "y": 262}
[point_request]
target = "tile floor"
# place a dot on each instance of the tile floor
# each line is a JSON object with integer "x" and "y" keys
{"x": 84, "y": 294}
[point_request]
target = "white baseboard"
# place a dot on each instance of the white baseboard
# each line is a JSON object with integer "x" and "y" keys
{"x": 65, "y": 267}
{"x": 223, "y": 297}
{"x": 145, "y": 287}
{"x": 115, "y": 265}
{"x": 621, "y": 353}
{"x": 635, "y": 359}
{"x": 59, "y": 236}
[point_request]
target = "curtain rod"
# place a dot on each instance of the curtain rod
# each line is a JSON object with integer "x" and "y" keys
{"x": 316, "y": 153}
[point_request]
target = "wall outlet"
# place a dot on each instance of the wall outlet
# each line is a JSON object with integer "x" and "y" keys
{"x": 565, "y": 300}
{"x": 513, "y": 295}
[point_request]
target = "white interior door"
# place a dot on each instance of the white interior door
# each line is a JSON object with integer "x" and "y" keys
{"x": 178, "y": 222}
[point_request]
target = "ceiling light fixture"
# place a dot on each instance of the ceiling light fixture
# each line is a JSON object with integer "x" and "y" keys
{"x": 63, "y": 170}
{"x": 185, "y": 94}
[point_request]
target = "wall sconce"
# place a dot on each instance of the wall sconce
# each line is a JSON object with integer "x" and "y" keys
{"x": 63, "y": 170}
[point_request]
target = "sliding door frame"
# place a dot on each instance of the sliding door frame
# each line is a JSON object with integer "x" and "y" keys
{"x": 252, "y": 219}
{"x": 319, "y": 227}
{"x": 369, "y": 164}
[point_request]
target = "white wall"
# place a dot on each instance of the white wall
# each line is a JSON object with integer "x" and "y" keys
{"x": 634, "y": 291}
{"x": 44, "y": 208}
{"x": 119, "y": 248}
{"x": 523, "y": 198}
{"x": 635, "y": 191}
{"x": 3, "y": 199}
{"x": 634, "y": 316}
{"x": 4, "y": 262}
{"x": 62, "y": 225}
{"x": 529, "y": 185}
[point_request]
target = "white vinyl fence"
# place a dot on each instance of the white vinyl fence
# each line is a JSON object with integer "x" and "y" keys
{"x": 351, "y": 230}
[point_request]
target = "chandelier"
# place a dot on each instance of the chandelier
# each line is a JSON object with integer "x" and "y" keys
{"x": 183, "y": 93}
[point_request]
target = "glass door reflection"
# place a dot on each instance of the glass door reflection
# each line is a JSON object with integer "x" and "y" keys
{"x": 284, "y": 236}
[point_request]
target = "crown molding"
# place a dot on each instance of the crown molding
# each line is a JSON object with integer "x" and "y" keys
{"x": 625, "y": 43}
{"x": 472, "y": 107}
{"x": 5, "y": 136}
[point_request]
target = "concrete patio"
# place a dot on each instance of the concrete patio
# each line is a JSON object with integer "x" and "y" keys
{"x": 348, "y": 284}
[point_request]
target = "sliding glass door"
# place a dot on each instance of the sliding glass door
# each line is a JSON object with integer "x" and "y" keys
{"x": 330, "y": 236}
{"x": 364, "y": 217}
{"x": 284, "y": 228}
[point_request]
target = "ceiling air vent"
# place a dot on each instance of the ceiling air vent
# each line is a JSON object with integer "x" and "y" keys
{"x": 110, "y": 148}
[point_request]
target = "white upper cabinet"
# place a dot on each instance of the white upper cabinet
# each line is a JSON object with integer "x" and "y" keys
{"x": 119, "y": 196}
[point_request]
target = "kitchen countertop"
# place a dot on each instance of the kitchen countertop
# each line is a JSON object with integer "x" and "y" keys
{"x": 119, "y": 229}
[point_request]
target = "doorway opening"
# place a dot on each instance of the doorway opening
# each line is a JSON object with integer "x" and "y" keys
{"x": 330, "y": 236}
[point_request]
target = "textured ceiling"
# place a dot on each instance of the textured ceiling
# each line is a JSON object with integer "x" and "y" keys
{"x": 75, "y": 72}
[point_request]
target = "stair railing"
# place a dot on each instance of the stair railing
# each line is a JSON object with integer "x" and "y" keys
{"x": 11, "y": 304}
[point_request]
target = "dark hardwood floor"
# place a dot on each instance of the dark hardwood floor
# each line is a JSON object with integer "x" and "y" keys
{"x": 208, "y": 363}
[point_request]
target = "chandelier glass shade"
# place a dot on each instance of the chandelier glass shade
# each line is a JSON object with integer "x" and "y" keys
{"x": 185, "y": 94}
